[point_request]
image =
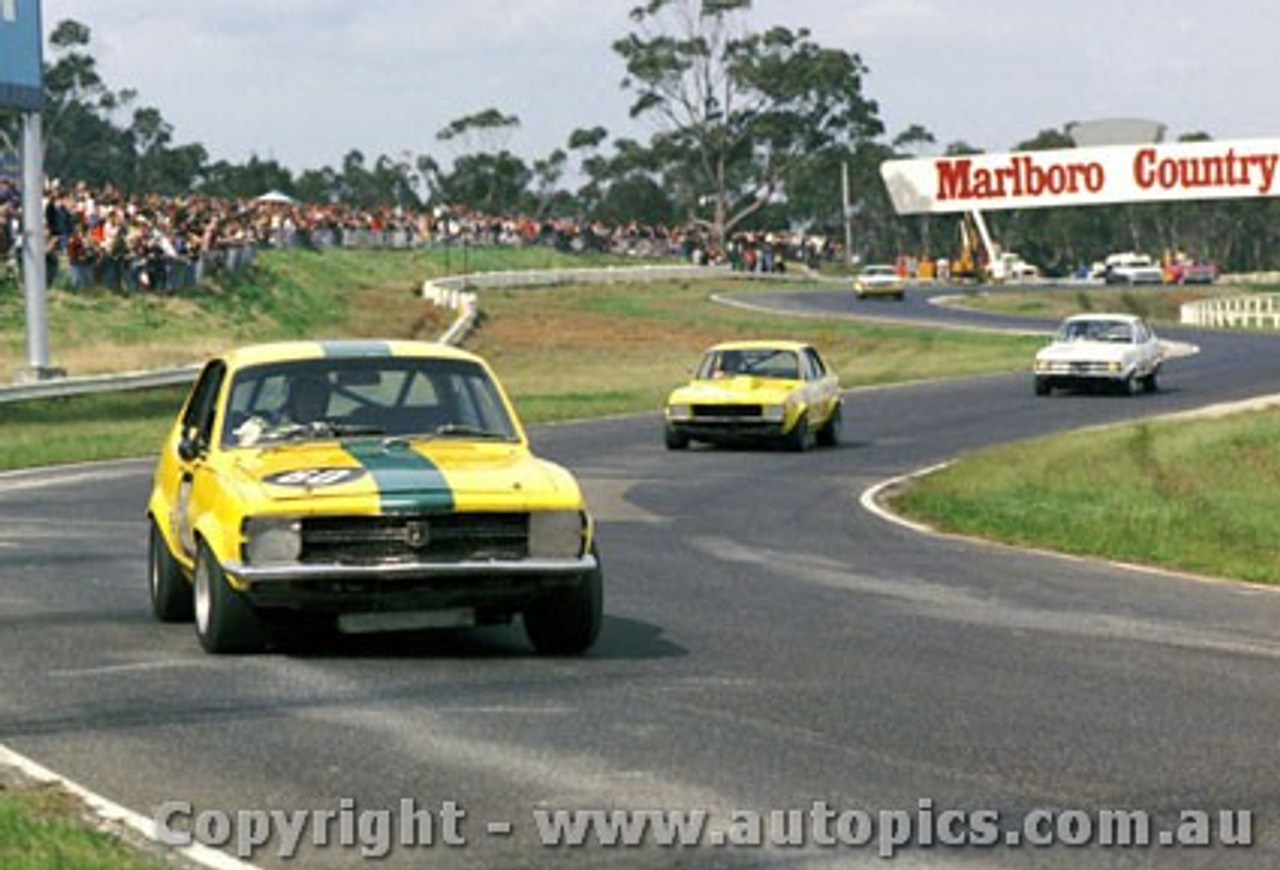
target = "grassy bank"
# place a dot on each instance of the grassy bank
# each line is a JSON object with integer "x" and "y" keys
{"x": 563, "y": 352}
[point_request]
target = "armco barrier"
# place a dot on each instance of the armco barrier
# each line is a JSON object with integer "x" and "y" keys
{"x": 451, "y": 292}
{"x": 61, "y": 387}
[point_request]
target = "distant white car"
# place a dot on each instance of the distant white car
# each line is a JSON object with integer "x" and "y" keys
{"x": 1100, "y": 350}
{"x": 879, "y": 280}
{"x": 1132, "y": 268}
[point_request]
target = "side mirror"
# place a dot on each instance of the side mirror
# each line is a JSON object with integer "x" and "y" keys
{"x": 191, "y": 446}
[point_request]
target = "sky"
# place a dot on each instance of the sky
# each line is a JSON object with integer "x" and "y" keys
{"x": 305, "y": 82}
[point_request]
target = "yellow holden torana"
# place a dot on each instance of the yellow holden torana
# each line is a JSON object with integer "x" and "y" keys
{"x": 776, "y": 391}
{"x": 375, "y": 485}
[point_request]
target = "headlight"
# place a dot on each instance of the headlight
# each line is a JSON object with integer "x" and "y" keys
{"x": 555, "y": 534}
{"x": 774, "y": 413}
{"x": 1115, "y": 367}
{"x": 679, "y": 412}
{"x": 270, "y": 540}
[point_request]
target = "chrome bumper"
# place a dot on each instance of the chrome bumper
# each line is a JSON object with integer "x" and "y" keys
{"x": 410, "y": 571}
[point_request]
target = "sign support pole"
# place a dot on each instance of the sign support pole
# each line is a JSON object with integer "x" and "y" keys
{"x": 33, "y": 245}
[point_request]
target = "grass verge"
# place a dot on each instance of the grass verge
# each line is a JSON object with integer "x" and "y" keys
{"x": 1160, "y": 305}
{"x": 43, "y": 827}
{"x": 1197, "y": 496}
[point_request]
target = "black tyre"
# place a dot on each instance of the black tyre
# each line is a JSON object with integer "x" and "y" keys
{"x": 225, "y": 621}
{"x": 568, "y": 623}
{"x": 1151, "y": 383}
{"x": 675, "y": 439}
{"x": 800, "y": 438}
{"x": 832, "y": 430}
{"x": 1043, "y": 386}
{"x": 172, "y": 599}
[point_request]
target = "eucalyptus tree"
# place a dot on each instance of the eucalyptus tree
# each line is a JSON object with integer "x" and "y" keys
{"x": 738, "y": 113}
{"x": 81, "y": 140}
{"x": 489, "y": 179}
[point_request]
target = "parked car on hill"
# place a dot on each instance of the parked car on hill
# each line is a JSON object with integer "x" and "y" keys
{"x": 370, "y": 485}
{"x": 1100, "y": 350}
{"x": 1131, "y": 268}
{"x": 1181, "y": 269}
{"x": 772, "y": 391}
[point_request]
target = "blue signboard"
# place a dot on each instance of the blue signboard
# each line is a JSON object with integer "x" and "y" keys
{"x": 21, "y": 80}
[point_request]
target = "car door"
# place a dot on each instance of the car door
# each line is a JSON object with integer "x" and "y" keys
{"x": 1147, "y": 346}
{"x": 821, "y": 383}
{"x": 196, "y": 481}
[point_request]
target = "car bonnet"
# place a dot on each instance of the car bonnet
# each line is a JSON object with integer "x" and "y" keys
{"x": 397, "y": 475}
{"x": 739, "y": 388}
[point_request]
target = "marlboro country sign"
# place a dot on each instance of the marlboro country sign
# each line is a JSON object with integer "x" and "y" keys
{"x": 1085, "y": 176}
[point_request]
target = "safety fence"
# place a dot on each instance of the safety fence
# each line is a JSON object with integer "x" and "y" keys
{"x": 1256, "y": 311}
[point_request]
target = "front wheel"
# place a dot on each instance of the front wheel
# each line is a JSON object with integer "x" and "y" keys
{"x": 800, "y": 438}
{"x": 568, "y": 623}
{"x": 225, "y": 621}
{"x": 832, "y": 430}
{"x": 1151, "y": 383}
{"x": 171, "y": 596}
{"x": 675, "y": 439}
{"x": 1043, "y": 387}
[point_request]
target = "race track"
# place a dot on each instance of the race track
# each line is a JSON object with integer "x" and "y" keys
{"x": 769, "y": 646}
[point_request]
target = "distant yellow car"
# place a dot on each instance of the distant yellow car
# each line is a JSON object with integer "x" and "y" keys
{"x": 879, "y": 280}
{"x": 778, "y": 391}
{"x": 374, "y": 485}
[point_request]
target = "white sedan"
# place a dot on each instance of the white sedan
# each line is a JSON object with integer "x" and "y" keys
{"x": 1107, "y": 350}
{"x": 879, "y": 280}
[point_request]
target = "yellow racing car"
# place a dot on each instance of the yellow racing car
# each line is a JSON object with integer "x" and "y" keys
{"x": 372, "y": 485}
{"x": 775, "y": 391}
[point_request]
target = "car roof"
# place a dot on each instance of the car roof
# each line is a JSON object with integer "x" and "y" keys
{"x": 760, "y": 344}
{"x": 287, "y": 351}
{"x": 1093, "y": 315}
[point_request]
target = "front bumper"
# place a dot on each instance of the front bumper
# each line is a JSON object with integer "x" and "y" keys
{"x": 738, "y": 429}
{"x": 1086, "y": 372}
{"x": 404, "y": 586}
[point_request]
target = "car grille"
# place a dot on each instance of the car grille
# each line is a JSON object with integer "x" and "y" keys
{"x": 442, "y": 538}
{"x": 1081, "y": 368}
{"x": 721, "y": 411}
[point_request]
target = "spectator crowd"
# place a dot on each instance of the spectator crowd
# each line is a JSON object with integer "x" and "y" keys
{"x": 151, "y": 243}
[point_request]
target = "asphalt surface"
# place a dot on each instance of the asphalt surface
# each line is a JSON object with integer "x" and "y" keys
{"x": 769, "y": 647}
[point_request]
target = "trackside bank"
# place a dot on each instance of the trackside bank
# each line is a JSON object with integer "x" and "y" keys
{"x": 1085, "y": 176}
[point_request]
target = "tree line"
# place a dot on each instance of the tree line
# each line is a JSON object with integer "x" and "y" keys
{"x": 754, "y": 129}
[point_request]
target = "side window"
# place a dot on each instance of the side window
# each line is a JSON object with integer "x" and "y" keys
{"x": 817, "y": 370}
{"x": 197, "y": 418}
